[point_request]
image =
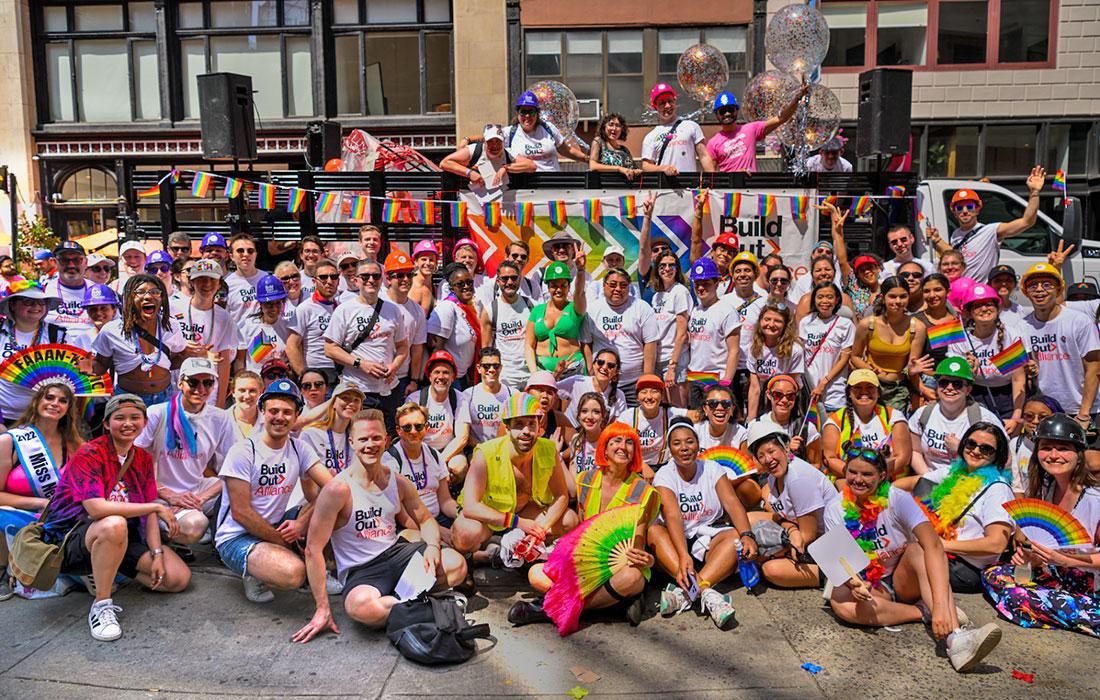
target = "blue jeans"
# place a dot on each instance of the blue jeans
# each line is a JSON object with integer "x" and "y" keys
{"x": 234, "y": 553}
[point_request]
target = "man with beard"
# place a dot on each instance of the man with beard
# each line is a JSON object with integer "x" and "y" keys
{"x": 399, "y": 278}
{"x": 734, "y": 147}
{"x": 69, "y": 286}
{"x": 515, "y": 483}
{"x": 504, "y": 323}
{"x": 305, "y": 346}
{"x": 828, "y": 159}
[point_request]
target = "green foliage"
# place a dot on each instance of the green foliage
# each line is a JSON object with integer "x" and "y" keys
{"x": 34, "y": 235}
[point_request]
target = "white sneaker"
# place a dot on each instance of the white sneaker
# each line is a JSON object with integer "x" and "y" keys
{"x": 967, "y": 647}
{"x": 257, "y": 591}
{"x": 103, "y": 621}
{"x": 332, "y": 584}
{"x": 720, "y": 609}
{"x": 673, "y": 601}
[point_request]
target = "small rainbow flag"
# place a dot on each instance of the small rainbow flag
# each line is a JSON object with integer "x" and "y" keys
{"x": 358, "y": 207}
{"x": 946, "y": 333}
{"x": 707, "y": 379}
{"x": 295, "y": 199}
{"x": 200, "y": 185}
{"x": 862, "y": 205}
{"x": 1059, "y": 183}
{"x": 628, "y": 207}
{"x": 391, "y": 210}
{"x": 153, "y": 191}
{"x": 765, "y": 205}
{"x": 260, "y": 348}
{"x": 896, "y": 190}
{"x": 492, "y": 215}
{"x": 733, "y": 204}
{"x": 325, "y": 202}
{"x": 592, "y": 210}
{"x": 458, "y": 214}
{"x": 426, "y": 212}
{"x": 813, "y": 417}
{"x": 1011, "y": 358}
{"x": 265, "y": 196}
{"x": 830, "y": 199}
{"x": 175, "y": 176}
{"x": 233, "y": 187}
{"x": 798, "y": 207}
{"x": 525, "y": 213}
{"x": 557, "y": 213}
{"x": 696, "y": 193}
{"x": 920, "y": 216}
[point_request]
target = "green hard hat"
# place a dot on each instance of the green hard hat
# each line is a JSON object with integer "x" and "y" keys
{"x": 557, "y": 270}
{"x": 955, "y": 367}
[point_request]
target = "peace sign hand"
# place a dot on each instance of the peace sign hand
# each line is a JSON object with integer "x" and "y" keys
{"x": 1058, "y": 257}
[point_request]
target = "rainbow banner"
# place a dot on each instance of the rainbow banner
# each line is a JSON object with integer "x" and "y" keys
{"x": 391, "y": 210}
{"x": 259, "y": 348}
{"x": 525, "y": 213}
{"x": 628, "y": 207}
{"x": 946, "y": 333}
{"x": 233, "y": 187}
{"x": 1059, "y": 184}
{"x": 1011, "y": 358}
{"x": 593, "y": 209}
{"x": 557, "y": 213}
{"x": 426, "y": 212}
{"x": 153, "y": 191}
{"x": 705, "y": 194}
{"x": 492, "y": 214}
{"x": 896, "y": 190}
{"x": 862, "y": 205}
{"x": 200, "y": 185}
{"x": 265, "y": 196}
{"x": 733, "y": 205}
{"x": 798, "y": 207}
{"x": 325, "y": 202}
{"x": 765, "y": 205}
{"x": 295, "y": 199}
{"x": 707, "y": 379}
{"x": 359, "y": 207}
{"x": 458, "y": 214}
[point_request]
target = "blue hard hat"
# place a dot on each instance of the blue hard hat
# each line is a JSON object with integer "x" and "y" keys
{"x": 270, "y": 288}
{"x": 157, "y": 257}
{"x": 704, "y": 269}
{"x": 527, "y": 99}
{"x": 213, "y": 240}
{"x": 43, "y": 255}
{"x": 97, "y": 294}
{"x": 726, "y": 99}
{"x": 283, "y": 388}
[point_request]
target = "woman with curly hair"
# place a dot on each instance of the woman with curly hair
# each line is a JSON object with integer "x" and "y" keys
{"x": 774, "y": 349}
{"x": 609, "y": 152}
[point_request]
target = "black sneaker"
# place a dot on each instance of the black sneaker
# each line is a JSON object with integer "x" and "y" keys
{"x": 634, "y": 610}
{"x": 184, "y": 553}
{"x": 7, "y": 590}
{"x": 527, "y": 612}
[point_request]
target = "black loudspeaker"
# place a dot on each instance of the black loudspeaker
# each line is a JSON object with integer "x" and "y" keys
{"x": 885, "y": 109}
{"x": 322, "y": 142}
{"x": 227, "y": 117}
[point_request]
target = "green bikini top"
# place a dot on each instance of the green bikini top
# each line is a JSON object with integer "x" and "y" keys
{"x": 568, "y": 325}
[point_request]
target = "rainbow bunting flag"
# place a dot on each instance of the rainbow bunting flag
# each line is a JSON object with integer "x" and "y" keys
{"x": 260, "y": 348}
{"x": 153, "y": 191}
{"x": 557, "y": 213}
{"x": 707, "y": 379}
{"x": 359, "y": 207}
{"x": 830, "y": 199}
{"x": 862, "y": 205}
{"x": 920, "y": 216}
{"x": 628, "y": 207}
{"x": 525, "y": 213}
{"x": 492, "y": 215}
{"x": 1011, "y": 358}
{"x": 458, "y": 214}
{"x": 765, "y": 205}
{"x": 175, "y": 176}
{"x": 325, "y": 202}
{"x": 798, "y": 207}
{"x": 896, "y": 190}
{"x": 946, "y": 333}
{"x": 233, "y": 187}
{"x": 200, "y": 185}
{"x": 391, "y": 209}
{"x": 733, "y": 204}
{"x": 696, "y": 193}
{"x": 295, "y": 199}
{"x": 426, "y": 212}
{"x": 1059, "y": 183}
{"x": 265, "y": 196}
{"x": 592, "y": 210}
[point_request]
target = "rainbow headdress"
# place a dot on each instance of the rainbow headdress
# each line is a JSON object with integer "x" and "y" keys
{"x": 54, "y": 364}
{"x": 180, "y": 434}
{"x": 585, "y": 559}
{"x": 260, "y": 347}
{"x": 1011, "y": 358}
{"x": 731, "y": 458}
{"x": 707, "y": 379}
{"x": 946, "y": 333}
{"x": 1047, "y": 523}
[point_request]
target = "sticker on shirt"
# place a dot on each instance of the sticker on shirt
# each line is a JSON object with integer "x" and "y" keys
{"x": 119, "y": 494}
{"x": 369, "y": 524}
{"x": 261, "y": 346}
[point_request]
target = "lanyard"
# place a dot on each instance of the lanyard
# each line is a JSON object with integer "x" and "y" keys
{"x": 836, "y": 317}
{"x": 340, "y": 465}
{"x": 152, "y": 362}
{"x": 421, "y": 479}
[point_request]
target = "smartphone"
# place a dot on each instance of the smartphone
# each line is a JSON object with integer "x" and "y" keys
{"x": 693, "y": 589}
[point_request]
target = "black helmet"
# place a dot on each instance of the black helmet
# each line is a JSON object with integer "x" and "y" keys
{"x": 1062, "y": 428}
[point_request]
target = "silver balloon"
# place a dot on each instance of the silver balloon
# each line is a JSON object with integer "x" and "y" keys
{"x": 557, "y": 105}
{"x": 765, "y": 94}
{"x": 817, "y": 124}
{"x": 797, "y": 39}
{"x": 703, "y": 72}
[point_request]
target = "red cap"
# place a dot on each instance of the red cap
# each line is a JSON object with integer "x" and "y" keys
{"x": 865, "y": 260}
{"x": 649, "y": 381}
{"x": 966, "y": 196}
{"x": 442, "y": 356}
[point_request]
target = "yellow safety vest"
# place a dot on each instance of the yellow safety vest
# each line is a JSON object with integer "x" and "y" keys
{"x": 634, "y": 490}
{"x": 500, "y": 480}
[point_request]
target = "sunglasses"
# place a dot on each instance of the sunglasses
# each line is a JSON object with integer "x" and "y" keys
{"x": 719, "y": 403}
{"x": 869, "y": 455}
{"x": 179, "y": 248}
{"x": 727, "y": 110}
{"x": 349, "y": 265}
{"x": 275, "y": 374}
{"x": 508, "y": 278}
{"x": 412, "y": 427}
{"x": 310, "y": 386}
{"x": 607, "y": 364}
{"x": 780, "y": 280}
{"x": 527, "y": 112}
{"x": 667, "y": 266}
{"x": 244, "y": 251}
{"x": 782, "y": 395}
{"x": 975, "y": 446}
{"x": 289, "y": 278}
{"x": 370, "y": 276}
{"x": 966, "y": 206}
{"x": 490, "y": 366}
{"x": 519, "y": 256}
{"x": 400, "y": 275}
{"x": 951, "y": 383}
{"x": 910, "y": 275}
{"x": 196, "y": 383}
{"x": 328, "y": 278}
{"x": 464, "y": 284}
{"x": 158, "y": 269}
{"x": 101, "y": 268}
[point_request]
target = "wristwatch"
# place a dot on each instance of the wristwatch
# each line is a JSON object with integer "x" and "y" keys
{"x": 156, "y": 552}
{"x": 748, "y": 533}
{"x": 357, "y": 362}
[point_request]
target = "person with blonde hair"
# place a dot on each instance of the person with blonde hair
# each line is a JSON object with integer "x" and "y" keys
{"x": 418, "y": 462}
{"x": 775, "y": 349}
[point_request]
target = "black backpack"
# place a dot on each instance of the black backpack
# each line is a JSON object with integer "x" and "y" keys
{"x": 433, "y": 631}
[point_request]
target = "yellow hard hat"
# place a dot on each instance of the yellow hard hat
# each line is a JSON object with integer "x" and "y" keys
{"x": 1042, "y": 269}
{"x": 745, "y": 256}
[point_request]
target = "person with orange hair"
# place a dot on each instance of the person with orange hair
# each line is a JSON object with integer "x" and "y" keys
{"x": 616, "y": 481}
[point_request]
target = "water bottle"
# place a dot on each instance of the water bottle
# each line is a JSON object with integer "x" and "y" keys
{"x": 1023, "y": 573}
{"x": 749, "y": 571}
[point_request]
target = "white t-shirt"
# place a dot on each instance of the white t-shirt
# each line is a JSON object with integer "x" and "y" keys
{"x": 698, "y": 498}
{"x": 441, "y": 422}
{"x": 584, "y": 456}
{"x": 511, "y": 337}
{"x": 1013, "y": 314}
{"x": 269, "y": 340}
{"x": 652, "y": 432}
{"x": 1058, "y": 346}
{"x": 577, "y": 386}
{"x": 890, "y": 267}
{"x": 768, "y": 363}
{"x": 541, "y": 145}
{"x": 627, "y": 328}
{"x": 805, "y": 490}
{"x": 308, "y": 285}
{"x": 749, "y": 313}
{"x": 481, "y": 410}
{"x": 815, "y": 164}
{"x": 213, "y": 326}
{"x": 124, "y": 354}
{"x": 242, "y": 294}
{"x": 987, "y": 510}
{"x": 981, "y": 249}
{"x": 416, "y": 330}
{"x": 271, "y": 476}
{"x": 176, "y": 469}
{"x": 824, "y": 340}
{"x": 873, "y": 433}
{"x": 1022, "y": 449}
{"x": 332, "y": 448}
{"x": 893, "y": 528}
{"x": 708, "y": 328}
{"x": 932, "y": 442}
{"x": 311, "y": 320}
{"x": 71, "y": 313}
{"x": 667, "y": 306}
{"x": 984, "y": 350}
{"x": 680, "y": 153}
{"x": 449, "y": 321}
{"x": 349, "y": 320}
{"x": 733, "y": 436}
{"x": 426, "y": 472}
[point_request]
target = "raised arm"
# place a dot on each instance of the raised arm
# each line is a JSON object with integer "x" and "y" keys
{"x": 697, "y": 226}
{"x": 645, "y": 255}
{"x": 787, "y": 112}
{"x": 1035, "y": 183}
{"x": 837, "y": 220}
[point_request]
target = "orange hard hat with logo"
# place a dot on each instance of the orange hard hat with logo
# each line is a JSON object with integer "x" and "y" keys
{"x": 966, "y": 196}
{"x": 399, "y": 261}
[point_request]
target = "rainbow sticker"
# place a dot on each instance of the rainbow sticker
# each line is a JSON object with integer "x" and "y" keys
{"x": 259, "y": 348}
{"x": 54, "y": 364}
{"x": 731, "y": 458}
{"x": 1047, "y": 524}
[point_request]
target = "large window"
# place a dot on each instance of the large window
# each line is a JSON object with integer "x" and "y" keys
{"x": 971, "y": 33}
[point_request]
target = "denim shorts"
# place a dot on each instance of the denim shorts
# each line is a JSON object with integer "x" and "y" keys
{"x": 234, "y": 553}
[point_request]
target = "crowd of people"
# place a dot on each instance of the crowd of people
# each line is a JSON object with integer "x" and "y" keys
{"x": 324, "y": 425}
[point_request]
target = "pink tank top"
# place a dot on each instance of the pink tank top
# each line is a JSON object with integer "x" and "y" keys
{"x": 17, "y": 483}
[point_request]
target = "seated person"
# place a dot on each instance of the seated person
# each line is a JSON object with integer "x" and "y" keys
{"x": 421, "y": 465}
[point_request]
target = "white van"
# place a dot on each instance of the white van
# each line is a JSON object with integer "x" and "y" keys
{"x": 999, "y": 204}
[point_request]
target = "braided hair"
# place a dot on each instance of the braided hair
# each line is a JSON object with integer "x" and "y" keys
{"x": 130, "y": 311}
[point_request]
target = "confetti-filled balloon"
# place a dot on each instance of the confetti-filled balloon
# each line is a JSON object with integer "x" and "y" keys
{"x": 557, "y": 105}
{"x": 821, "y": 120}
{"x": 703, "y": 72}
{"x": 797, "y": 39}
{"x": 764, "y": 96}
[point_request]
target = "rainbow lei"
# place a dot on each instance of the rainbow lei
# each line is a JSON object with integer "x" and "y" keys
{"x": 861, "y": 521}
{"x": 949, "y": 498}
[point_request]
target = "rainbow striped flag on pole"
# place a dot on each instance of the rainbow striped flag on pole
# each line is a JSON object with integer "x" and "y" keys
{"x": 294, "y": 200}
{"x": 628, "y": 207}
{"x": 200, "y": 185}
{"x": 707, "y": 379}
{"x": 233, "y": 187}
{"x": 1011, "y": 358}
{"x": 557, "y": 213}
{"x": 265, "y": 196}
{"x": 458, "y": 214}
{"x": 1059, "y": 184}
{"x": 260, "y": 348}
{"x": 696, "y": 193}
{"x": 946, "y": 333}
{"x": 733, "y": 204}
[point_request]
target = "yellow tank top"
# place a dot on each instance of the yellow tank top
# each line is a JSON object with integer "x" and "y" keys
{"x": 889, "y": 357}
{"x": 500, "y": 480}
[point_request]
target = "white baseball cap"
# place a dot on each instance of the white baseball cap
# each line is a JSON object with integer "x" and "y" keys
{"x": 493, "y": 131}
{"x": 195, "y": 366}
{"x": 131, "y": 245}
{"x": 95, "y": 259}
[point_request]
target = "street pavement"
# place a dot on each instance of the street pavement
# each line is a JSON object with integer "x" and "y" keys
{"x": 211, "y": 642}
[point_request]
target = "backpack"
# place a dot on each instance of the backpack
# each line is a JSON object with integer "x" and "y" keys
{"x": 973, "y": 415}
{"x": 475, "y": 154}
{"x": 432, "y": 630}
{"x": 452, "y": 398}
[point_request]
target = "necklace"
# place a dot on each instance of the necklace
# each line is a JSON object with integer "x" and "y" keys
{"x": 861, "y": 521}
{"x": 35, "y": 341}
{"x": 148, "y": 363}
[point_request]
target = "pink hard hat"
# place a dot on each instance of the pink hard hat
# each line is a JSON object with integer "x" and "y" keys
{"x": 660, "y": 89}
{"x": 464, "y": 242}
{"x": 960, "y": 291}
{"x": 425, "y": 247}
{"x": 982, "y": 292}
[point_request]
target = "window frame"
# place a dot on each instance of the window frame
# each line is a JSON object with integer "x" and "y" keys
{"x": 932, "y": 64}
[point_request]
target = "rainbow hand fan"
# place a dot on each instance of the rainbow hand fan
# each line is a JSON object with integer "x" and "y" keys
{"x": 731, "y": 458}
{"x": 1048, "y": 524}
{"x": 54, "y": 364}
{"x": 585, "y": 559}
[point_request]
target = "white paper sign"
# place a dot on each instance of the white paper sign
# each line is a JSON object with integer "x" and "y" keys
{"x": 833, "y": 550}
{"x": 414, "y": 579}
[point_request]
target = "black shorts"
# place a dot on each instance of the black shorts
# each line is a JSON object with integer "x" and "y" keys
{"x": 964, "y": 577}
{"x": 77, "y": 559}
{"x": 444, "y": 520}
{"x": 384, "y": 571}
